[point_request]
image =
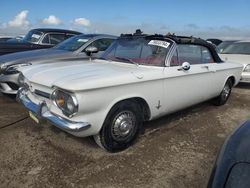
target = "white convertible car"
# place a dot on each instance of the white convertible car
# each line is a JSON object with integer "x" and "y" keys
{"x": 139, "y": 78}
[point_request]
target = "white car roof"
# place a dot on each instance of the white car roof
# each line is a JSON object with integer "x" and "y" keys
{"x": 242, "y": 41}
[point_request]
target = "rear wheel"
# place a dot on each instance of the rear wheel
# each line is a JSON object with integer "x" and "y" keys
{"x": 224, "y": 95}
{"x": 120, "y": 128}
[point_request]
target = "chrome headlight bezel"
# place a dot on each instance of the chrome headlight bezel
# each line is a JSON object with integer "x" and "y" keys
{"x": 63, "y": 99}
{"x": 21, "y": 80}
{"x": 247, "y": 68}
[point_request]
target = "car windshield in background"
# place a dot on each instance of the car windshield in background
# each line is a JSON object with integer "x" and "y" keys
{"x": 220, "y": 48}
{"x": 238, "y": 48}
{"x": 72, "y": 43}
{"x": 33, "y": 36}
{"x": 139, "y": 51}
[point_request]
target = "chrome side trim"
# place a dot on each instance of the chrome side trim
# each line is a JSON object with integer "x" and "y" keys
{"x": 43, "y": 112}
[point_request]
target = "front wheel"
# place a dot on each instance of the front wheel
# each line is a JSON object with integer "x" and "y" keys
{"x": 120, "y": 128}
{"x": 224, "y": 95}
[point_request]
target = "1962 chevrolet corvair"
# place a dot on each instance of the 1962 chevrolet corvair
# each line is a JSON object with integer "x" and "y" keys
{"x": 139, "y": 78}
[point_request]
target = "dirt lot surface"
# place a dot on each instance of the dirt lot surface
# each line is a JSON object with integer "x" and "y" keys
{"x": 175, "y": 151}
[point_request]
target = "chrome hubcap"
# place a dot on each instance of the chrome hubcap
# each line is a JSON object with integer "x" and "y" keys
{"x": 226, "y": 92}
{"x": 123, "y": 125}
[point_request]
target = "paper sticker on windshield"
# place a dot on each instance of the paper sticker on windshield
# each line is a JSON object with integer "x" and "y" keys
{"x": 160, "y": 43}
{"x": 82, "y": 40}
{"x": 35, "y": 36}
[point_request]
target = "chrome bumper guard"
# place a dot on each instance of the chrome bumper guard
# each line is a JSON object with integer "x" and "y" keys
{"x": 42, "y": 112}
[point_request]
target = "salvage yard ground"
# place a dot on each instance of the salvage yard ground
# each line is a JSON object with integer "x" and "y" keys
{"x": 175, "y": 151}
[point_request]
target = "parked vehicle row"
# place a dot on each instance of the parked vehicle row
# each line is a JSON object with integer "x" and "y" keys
{"x": 138, "y": 78}
{"x": 73, "y": 48}
{"x": 36, "y": 39}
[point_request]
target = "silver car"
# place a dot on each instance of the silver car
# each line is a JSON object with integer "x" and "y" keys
{"x": 71, "y": 49}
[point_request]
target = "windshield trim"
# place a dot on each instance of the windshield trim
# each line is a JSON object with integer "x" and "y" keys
{"x": 66, "y": 43}
{"x": 165, "y": 54}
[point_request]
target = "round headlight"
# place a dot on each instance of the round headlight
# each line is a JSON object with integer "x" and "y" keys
{"x": 247, "y": 68}
{"x": 66, "y": 102}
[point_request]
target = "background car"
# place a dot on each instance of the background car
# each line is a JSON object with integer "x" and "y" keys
{"x": 5, "y": 38}
{"x": 16, "y": 39}
{"x": 37, "y": 39}
{"x": 232, "y": 167}
{"x": 138, "y": 78}
{"x": 222, "y": 46}
{"x": 70, "y": 49}
{"x": 239, "y": 52}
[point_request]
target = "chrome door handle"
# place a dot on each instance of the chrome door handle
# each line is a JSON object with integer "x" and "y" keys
{"x": 210, "y": 69}
{"x": 205, "y": 67}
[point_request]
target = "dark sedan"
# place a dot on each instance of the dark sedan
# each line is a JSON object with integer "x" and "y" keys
{"x": 70, "y": 49}
{"x": 232, "y": 168}
{"x": 37, "y": 39}
{"x": 4, "y": 39}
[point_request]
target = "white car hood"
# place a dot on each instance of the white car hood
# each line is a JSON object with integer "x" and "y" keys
{"x": 238, "y": 58}
{"x": 84, "y": 75}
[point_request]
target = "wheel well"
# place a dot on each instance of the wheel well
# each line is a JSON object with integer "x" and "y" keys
{"x": 232, "y": 79}
{"x": 142, "y": 104}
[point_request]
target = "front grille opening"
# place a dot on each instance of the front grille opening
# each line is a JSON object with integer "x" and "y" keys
{"x": 12, "y": 85}
{"x": 42, "y": 93}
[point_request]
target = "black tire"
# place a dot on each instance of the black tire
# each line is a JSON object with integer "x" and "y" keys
{"x": 224, "y": 95}
{"x": 121, "y": 127}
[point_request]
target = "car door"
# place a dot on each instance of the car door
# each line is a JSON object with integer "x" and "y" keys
{"x": 184, "y": 88}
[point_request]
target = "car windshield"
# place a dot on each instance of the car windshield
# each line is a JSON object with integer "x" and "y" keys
{"x": 138, "y": 51}
{"x": 73, "y": 43}
{"x": 33, "y": 36}
{"x": 238, "y": 48}
{"x": 220, "y": 48}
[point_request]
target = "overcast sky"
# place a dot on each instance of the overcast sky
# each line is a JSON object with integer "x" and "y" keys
{"x": 215, "y": 18}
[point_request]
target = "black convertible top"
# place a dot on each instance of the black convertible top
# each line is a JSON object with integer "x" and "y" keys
{"x": 177, "y": 40}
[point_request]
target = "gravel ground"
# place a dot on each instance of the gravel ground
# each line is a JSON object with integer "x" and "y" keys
{"x": 175, "y": 151}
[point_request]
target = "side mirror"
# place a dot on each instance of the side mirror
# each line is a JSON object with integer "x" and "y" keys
{"x": 90, "y": 50}
{"x": 185, "y": 66}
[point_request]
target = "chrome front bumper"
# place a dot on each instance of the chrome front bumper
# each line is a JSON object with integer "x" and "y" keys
{"x": 42, "y": 112}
